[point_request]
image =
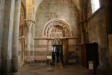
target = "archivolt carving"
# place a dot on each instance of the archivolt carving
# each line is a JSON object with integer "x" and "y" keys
{"x": 57, "y": 28}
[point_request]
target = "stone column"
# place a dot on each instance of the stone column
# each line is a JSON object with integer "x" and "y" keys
{"x": 29, "y": 41}
{"x": 1, "y": 26}
{"x": 6, "y": 49}
{"x": 15, "y": 41}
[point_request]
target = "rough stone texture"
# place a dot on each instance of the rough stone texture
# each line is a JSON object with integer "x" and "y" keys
{"x": 37, "y": 3}
{"x": 56, "y": 10}
{"x": 45, "y": 10}
{"x": 97, "y": 33}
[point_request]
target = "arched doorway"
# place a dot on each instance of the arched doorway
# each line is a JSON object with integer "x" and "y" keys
{"x": 57, "y": 28}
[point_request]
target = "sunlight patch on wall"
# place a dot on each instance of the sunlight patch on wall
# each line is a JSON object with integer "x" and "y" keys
{"x": 95, "y": 4}
{"x": 29, "y": 8}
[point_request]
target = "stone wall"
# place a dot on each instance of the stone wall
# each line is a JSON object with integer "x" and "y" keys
{"x": 56, "y": 9}
{"x": 47, "y": 10}
{"x": 110, "y": 49}
{"x": 50, "y": 9}
{"x": 97, "y": 33}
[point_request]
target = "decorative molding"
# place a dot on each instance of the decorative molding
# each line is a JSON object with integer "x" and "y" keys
{"x": 57, "y": 25}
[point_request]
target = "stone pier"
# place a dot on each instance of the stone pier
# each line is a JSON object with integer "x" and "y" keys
{"x": 9, "y": 22}
{"x": 15, "y": 42}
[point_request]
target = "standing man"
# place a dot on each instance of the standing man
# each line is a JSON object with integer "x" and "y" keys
{"x": 57, "y": 51}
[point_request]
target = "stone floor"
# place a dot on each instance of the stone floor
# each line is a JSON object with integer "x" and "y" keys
{"x": 43, "y": 69}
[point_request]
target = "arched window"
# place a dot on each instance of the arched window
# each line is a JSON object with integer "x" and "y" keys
{"x": 95, "y": 4}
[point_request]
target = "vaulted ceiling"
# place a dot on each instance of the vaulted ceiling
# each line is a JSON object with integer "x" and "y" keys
{"x": 38, "y": 2}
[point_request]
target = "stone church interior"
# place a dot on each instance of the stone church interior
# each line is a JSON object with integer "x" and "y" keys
{"x": 55, "y": 37}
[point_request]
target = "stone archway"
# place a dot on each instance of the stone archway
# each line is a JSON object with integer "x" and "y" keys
{"x": 57, "y": 28}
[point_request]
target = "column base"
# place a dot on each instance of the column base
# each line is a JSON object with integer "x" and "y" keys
{"x": 14, "y": 65}
{"x": 8, "y": 67}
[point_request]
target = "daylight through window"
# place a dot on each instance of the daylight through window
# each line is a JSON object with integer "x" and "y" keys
{"x": 95, "y": 4}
